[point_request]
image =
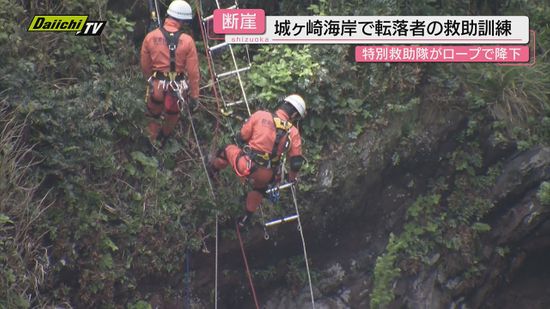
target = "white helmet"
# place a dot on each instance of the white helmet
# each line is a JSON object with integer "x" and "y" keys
{"x": 298, "y": 103}
{"x": 180, "y": 9}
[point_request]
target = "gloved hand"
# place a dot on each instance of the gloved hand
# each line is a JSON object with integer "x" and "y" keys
{"x": 193, "y": 105}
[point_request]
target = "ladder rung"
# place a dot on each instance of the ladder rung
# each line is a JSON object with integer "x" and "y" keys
{"x": 207, "y": 18}
{"x": 234, "y": 103}
{"x": 232, "y": 72}
{"x": 218, "y": 46}
{"x": 283, "y": 220}
{"x": 283, "y": 186}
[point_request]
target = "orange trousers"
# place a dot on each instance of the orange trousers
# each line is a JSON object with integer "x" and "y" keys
{"x": 259, "y": 177}
{"x": 160, "y": 99}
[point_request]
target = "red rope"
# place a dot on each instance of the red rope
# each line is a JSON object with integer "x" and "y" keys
{"x": 247, "y": 269}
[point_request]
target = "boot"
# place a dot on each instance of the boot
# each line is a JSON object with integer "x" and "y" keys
{"x": 162, "y": 139}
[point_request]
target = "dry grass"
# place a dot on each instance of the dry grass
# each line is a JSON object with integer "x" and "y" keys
{"x": 26, "y": 259}
{"x": 521, "y": 93}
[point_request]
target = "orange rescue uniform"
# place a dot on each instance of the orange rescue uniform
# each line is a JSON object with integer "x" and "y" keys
{"x": 259, "y": 133}
{"x": 155, "y": 57}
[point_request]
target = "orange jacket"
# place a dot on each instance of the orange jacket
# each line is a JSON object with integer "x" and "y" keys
{"x": 259, "y": 132}
{"x": 155, "y": 55}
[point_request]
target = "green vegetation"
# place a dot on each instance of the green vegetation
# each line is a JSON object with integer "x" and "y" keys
{"x": 385, "y": 273}
{"x": 544, "y": 193}
{"x": 439, "y": 225}
{"x": 514, "y": 102}
{"x": 87, "y": 211}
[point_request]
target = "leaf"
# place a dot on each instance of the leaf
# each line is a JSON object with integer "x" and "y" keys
{"x": 5, "y": 219}
{"x": 136, "y": 196}
{"x": 106, "y": 262}
{"x": 130, "y": 169}
{"x": 481, "y": 227}
{"x": 144, "y": 160}
{"x": 107, "y": 242}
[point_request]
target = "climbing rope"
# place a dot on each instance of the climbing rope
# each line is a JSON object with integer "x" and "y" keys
{"x": 154, "y": 16}
{"x": 208, "y": 58}
{"x": 177, "y": 89}
{"x": 275, "y": 190}
{"x": 219, "y": 96}
{"x": 212, "y": 76}
{"x": 215, "y": 80}
{"x": 293, "y": 189}
{"x": 247, "y": 269}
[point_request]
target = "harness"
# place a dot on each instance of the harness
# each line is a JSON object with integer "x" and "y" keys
{"x": 172, "y": 39}
{"x": 271, "y": 159}
{"x": 175, "y": 80}
{"x": 166, "y": 76}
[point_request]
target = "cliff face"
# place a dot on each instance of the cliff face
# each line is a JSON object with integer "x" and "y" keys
{"x": 489, "y": 219}
{"x": 519, "y": 228}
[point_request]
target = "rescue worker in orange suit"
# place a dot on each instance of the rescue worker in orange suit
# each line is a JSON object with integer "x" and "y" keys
{"x": 169, "y": 61}
{"x": 263, "y": 138}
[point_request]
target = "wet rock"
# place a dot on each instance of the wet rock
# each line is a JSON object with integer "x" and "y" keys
{"x": 524, "y": 171}
{"x": 340, "y": 301}
{"x": 283, "y": 299}
{"x": 518, "y": 215}
{"x": 333, "y": 278}
{"x": 326, "y": 175}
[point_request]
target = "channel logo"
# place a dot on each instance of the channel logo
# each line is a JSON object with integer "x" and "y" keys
{"x": 66, "y": 23}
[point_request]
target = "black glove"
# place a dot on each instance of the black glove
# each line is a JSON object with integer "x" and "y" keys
{"x": 193, "y": 105}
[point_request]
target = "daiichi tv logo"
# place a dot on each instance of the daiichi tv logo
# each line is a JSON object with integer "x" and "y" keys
{"x": 66, "y": 23}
